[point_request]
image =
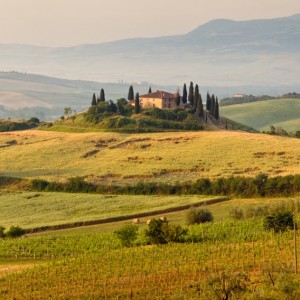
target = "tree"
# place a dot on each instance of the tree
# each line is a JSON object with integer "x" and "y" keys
{"x": 130, "y": 93}
{"x": 199, "y": 108}
{"x": 127, "y": 234}
{"x": 15, "y": 231}
{"x": 280, "y": 221}
{"x": 161, "y": 232}
{"x": 196, "y": 97}
{"x": 212, "y": 105}
{"x": 137, "y": 107}
{"x": 191, "y": 97}
{"x": 184, "y": 94}
{"x": 197, "y": 216}
{"x": 216, "y": 112}
{"x": 94, "y": 100}
{"x": 208, "y": 101}
{"x": 67, "y": 112}
{"x": 177, "y": 97}
{"x": 150, "y": 90}
{"x": 2, "y": 234}
{"x": 102, "y": 95}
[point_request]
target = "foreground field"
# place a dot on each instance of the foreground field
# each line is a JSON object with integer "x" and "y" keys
{"x": 161, "y": 157}
{"x": 94, "y": 266}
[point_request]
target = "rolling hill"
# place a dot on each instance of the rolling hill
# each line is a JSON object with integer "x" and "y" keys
{"x": 160, "y": 157}
{"x": 261, "y": 115}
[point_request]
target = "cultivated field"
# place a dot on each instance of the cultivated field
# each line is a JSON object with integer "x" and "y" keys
{"x": 161, "y": 157}
{"x": 261, "y": 115}
{"x": 30, "y": 210}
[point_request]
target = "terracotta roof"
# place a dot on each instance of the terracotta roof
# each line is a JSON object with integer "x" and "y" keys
{"x": 159, "y": 95}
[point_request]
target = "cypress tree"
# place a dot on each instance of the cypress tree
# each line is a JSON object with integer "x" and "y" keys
{"x": 217, "y": 109}
{"x": 137, "y": 108}
{"x": 177, "y": 97}
{"x": 208, "y": 101}
{"x": 191, "y": 95}
{"x": 184, "y": 94}
{"x": 130, "y": 93}
{"x": 150, "y": 90}
{"x": 196, "y": 97}
{"x": 94, "y": 101}
{"x": 212, "y": 105}
{"x": 199, "y": 109}
{"x": 102, "y": 95}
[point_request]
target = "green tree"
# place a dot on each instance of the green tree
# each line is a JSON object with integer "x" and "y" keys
{"x": 208, "y": 102}
{"x": 199, "y": 108}
{"x": 150, "y": 90}
{"x": 15, "y": 231}
{"x": 197, "y": 216}
{"x": 280, "y": 221}
{"x": 177, "y": 97}
{"x": 161, "y": 232}
{"x": 2, "y": 234}
{"x": 67, "y": 112}
{"x": 191, "y": 96}
{"x": 196, "y": 96}
{"x": 94, "y": 100}
{"x": 137, "y": 107}
{"x": 130, "y": 93}
{"x": 184, "y": 94}
{"x": 297, "y": 135}
{"x": 216, "y": 112}
{"x": 127, "y": 234}
{"x": 212, "y": 105}
{"x": 102, "y": 95}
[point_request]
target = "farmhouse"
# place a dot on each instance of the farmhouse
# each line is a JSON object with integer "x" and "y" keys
{"x": 159, "y": 99}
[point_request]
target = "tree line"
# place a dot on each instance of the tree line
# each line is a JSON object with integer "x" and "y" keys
{"x": 259, "y": 186}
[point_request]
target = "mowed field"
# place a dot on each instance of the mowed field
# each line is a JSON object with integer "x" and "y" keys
{"x": 31, "y": 210}
{"x": 261, "y": 115}
{"x": 161, "y": 157}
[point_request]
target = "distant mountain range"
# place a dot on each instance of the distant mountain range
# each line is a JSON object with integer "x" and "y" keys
{"x": 244, "y": 56}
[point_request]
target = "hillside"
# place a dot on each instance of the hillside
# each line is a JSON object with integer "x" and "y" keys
{"x": 161, "y": 157}
{"x": 261, "y": 115}
{"x": 221, "y": 52}
{"x": 24, "y": 95}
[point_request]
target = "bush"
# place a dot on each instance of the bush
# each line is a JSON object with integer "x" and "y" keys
{"x": 236, "y": 213}
{"x": 279, "y": 222}
{"x": 161, "y": 232}
{"x": 197, "y": 216}
{"x": 127, "y": 234}
{"x": 2, "y": 234}
{"x": 15, "y": 231}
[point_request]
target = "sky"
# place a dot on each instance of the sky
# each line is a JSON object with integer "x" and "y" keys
{"x": 62, "y": 23}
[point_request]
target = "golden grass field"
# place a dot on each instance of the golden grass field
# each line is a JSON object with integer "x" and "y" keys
{"x": 164, "y": 157}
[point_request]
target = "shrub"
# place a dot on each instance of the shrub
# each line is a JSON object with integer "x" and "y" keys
{"x": 236, "y": 213}
{"x": 127, "y": 234}
{"x": 161, "y": 232}
{"x": 2, "y": 234}
{"x": 280, "y": 221}
{"x": 15, "y": 231}
{"x": 197, "y": 216}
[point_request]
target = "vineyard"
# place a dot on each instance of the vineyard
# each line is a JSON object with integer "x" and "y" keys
{"x": 234, "y": 258}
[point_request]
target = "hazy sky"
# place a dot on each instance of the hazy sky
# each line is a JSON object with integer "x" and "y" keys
{"x": 72, "y": 22}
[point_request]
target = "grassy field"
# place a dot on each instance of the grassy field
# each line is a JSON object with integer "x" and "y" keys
{"x": 162, "y": 157}
{"x": 261, "y": 115}
{"x": 30, "y": 210}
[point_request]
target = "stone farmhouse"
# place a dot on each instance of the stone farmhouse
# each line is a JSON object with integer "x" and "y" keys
{"x": 159, "y": 99}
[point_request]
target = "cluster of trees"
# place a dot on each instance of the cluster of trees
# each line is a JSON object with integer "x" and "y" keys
{"x": 259, "y": 186}
{"x": 13, "y": 232}
{"x": 191, "y": 100}
{"x": 13, "y": 126}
